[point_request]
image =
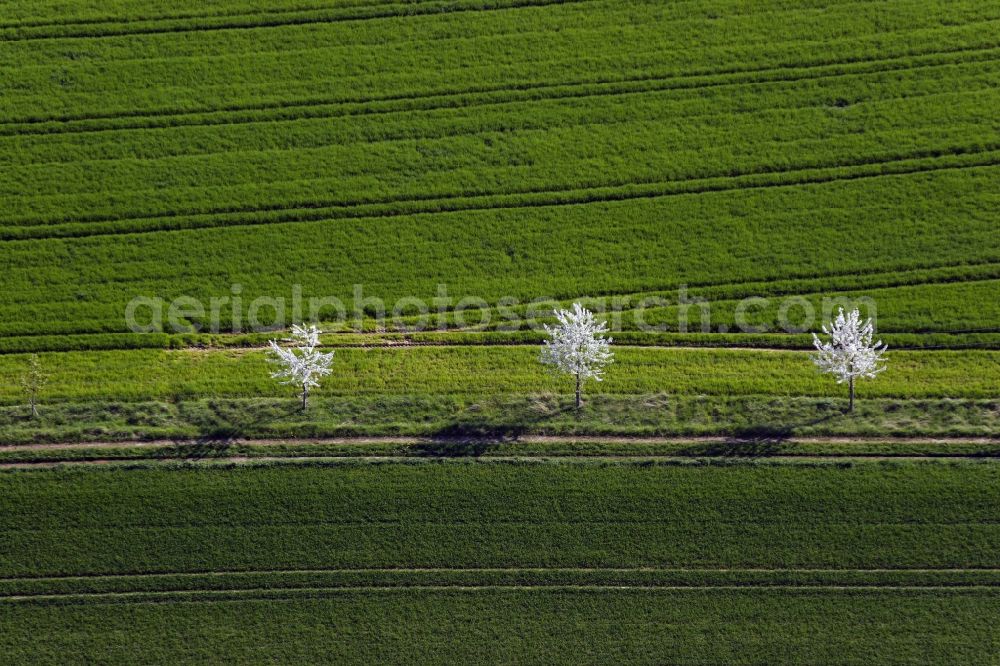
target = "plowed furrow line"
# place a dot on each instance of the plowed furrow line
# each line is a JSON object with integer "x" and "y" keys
{"x": 269, "y": 20}
{"x": 103, "y": 20}
{"x": 484, "y": 95}
{"x": 404, "y": 207}
{"x": 273, "y": 594}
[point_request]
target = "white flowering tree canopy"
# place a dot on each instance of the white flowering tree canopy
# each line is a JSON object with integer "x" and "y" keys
{"x": 850, "y": 352}
{"x": 577, "y": 346}
{"x": 301, "y": 365}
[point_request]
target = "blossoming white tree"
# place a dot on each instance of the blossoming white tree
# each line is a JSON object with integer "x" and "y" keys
{"x": 301, "y": 365}
{"x": 577, "y": 346}
{"x": 850, "y": 353}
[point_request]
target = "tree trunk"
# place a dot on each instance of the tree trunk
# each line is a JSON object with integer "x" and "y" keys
{"x": 34, "y": 407}
{"x": 850, "y": 406}
{"x": 578, "y": 401}
{"x": 305, "y": 397}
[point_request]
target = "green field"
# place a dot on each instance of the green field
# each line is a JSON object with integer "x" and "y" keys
{"x": 441, "y": 500}
{"x": 497, "y": 561}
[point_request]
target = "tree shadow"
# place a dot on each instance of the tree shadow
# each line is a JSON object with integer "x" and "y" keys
{"x": 216, "y": 440}
{"x": 755, "y": 441}
{"x": 459, "y": 447}
{"x": 197, "y": 449}
{"x": 471, "y": 437}
{"x": 777, "y": 433}
{"x": 735, "y": 448}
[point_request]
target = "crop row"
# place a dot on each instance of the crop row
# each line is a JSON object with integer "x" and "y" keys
{"x": 444, "y": 141}
{"x": 901, "y": 289}
{"x": 51, "y": 13}
{"x": 897, "y": 285}
{"x": 183, "y": 587}
{"x": 685, "y": 19}
{"x": 981, "y": 158}
{"x": 82, "y": 285}
{"x": 238, "y": 521}
{"x": 284, "y": 108}
{"x": 587, "y": 27}
{"x": 559, "y": 252}
{"x": 394, "y": 174}
{"x": 83, "y": 90}
{"x": 943, "y": 65}
{"x": 985, "y": 339}
{"x": 958, "y": 308}
{"x": 468, "y": 514}
{"x": 256, "y": 19}
{"x": 551, "y": 626}
{"x": 852, "y": 98}
{"x": 964, "y": 314}
{"x": 77, "y": 12}
{"x": 488, "y": 371}
{"x": 970, "y": 306}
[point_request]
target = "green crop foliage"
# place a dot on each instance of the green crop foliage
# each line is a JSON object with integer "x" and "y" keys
{"x": 559, "y": 251}
{"x": 498, "y": 515}
{"x": 490, "y": 146}
{"x": 558, "y": 626}
{"x": 506, "y": 150}
{"x": 316, "y": 550}
{"x": 489, "y": 371}
{"x": 545, "y": 550}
